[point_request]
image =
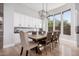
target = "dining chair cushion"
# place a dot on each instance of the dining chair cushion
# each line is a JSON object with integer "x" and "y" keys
{"x": 25, "y": 42}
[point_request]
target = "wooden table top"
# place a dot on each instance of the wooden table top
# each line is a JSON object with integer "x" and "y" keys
{"x": 37, "y": 37}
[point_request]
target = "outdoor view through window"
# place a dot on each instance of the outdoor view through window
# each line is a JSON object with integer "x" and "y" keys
{"x": 57, "y": 18}
{"x": 67, "y": 22}
{"x": 50, "y": 23}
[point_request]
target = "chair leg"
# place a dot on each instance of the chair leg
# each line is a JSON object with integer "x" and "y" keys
{"x": 51, "y": 48}
{"x": 52, "y": 45}
{"x": 36, "y": 50}
{"x": 21, "y": 51}
{"x": 26, "y": 52}
{"x": 46, "y": 50}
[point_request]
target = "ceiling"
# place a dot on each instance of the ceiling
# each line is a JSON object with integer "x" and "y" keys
{"x": 39, "y": 6}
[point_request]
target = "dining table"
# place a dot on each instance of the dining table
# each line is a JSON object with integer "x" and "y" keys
{"x": 37, "y": 38}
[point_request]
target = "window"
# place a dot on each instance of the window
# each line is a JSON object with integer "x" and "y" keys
{"x": 67, "y": 22}
{"x": 50, "y": 23}
{"x": 57, "y": 18}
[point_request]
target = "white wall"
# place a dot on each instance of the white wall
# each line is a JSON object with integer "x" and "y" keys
{"x": 9, "y": 10}
{"x": 25, "y": 10}
{"x": 45, "y": 24}
{"x": 77, "y": 21}
{"x": 22, "y": 20}
{"x": 8, "y": 26}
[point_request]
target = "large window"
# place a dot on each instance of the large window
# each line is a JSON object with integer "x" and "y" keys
{"x": 50, "y": 23}
{"x": 57, "y": 19}
{"x": 67, "y": 22}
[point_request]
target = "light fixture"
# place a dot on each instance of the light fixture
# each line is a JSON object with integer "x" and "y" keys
{"x": 43, "y": 12}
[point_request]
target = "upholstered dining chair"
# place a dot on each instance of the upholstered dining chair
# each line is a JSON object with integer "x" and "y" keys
{"x": 46, "y": 42}
{"x": 42, "y": 32}
{"x": 34, "y": 32}
{"x": 56, "y": 35}
{"x": 25, "y": 44}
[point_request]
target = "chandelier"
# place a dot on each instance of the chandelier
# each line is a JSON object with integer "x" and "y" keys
{"x": 43, "y": 12}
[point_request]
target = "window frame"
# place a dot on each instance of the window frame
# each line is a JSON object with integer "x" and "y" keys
{"x": 55, "y": 21}
{"x": 61, "y": 13}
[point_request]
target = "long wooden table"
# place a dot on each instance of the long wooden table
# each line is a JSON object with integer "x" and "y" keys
{"x": 37, "y": 37}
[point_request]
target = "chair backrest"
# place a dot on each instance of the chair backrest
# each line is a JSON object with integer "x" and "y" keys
{"x": 24, "y": 38}
{"x": 56, "y": 35}
{"x": 49, "y": 35}
{"x": 34, "y": 32}
{"x": 42, "y": 32}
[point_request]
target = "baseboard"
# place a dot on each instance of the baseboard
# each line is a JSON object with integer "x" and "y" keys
{"x": 71, "y": 43}
{"x": 9, "y": 45}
